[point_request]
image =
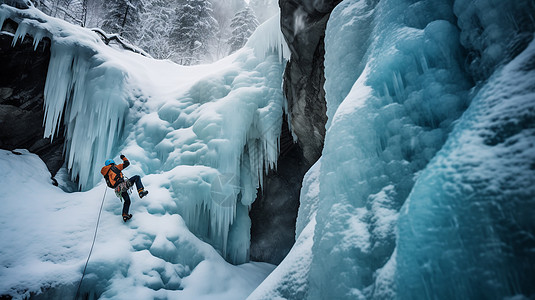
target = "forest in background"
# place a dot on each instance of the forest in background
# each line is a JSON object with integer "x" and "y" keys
{"x": 188, "y": 32}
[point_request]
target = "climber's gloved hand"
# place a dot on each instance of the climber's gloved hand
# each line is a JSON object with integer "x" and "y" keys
{"x": 122, "y": 156}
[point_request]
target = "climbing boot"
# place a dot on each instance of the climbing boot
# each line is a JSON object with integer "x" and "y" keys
{"x": 142, "y": 193}
{"x": 127, "y": 217}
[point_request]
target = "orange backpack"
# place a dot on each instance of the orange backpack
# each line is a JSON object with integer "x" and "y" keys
{"x": 113, "y": 176}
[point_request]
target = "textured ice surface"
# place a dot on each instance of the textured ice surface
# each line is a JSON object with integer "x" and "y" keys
{"x": 493, "y": 31}
{"x": 400, "y": 76}
{"x": 308, "y": 201}
{"x": 395, "y": 117}
{"x": 468, "y": 222}
{"x": 217, "y": 139}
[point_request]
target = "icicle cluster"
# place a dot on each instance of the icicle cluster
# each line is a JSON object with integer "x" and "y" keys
{"x": 81, "y": 88}
{"x": 91, "y": 95}
{"x": 268, "y": 39}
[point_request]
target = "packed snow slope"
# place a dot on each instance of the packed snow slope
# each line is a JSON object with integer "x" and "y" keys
{"x": 46, "y": 236}
{"x": 426, "y": 185}
{"x": 201, "y": 138}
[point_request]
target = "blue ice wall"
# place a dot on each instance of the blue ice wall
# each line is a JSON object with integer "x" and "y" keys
{"x": 425, "y": 186}
{"x": 395, "y": 117}
{"x": 466, "y": 230}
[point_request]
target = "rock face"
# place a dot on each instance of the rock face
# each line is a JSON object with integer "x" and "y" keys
{"x": 303, "y": 25}
{"x": 274, "y": 213}
{"x": 22, "y": 82}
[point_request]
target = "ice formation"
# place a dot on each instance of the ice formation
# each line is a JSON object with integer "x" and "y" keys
{"x": 426, "y": 176}
{"x": 225, "y": 127}
{"x": 217, "y": 140}
{"x": 395, "y": 117}
{"x": 81, "y": 83}
{"x": 469, "y": 214}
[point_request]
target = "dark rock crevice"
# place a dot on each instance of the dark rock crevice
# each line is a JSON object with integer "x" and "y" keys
{"x": 22, "y": 82}
{"x": 303, "y": 25}
{"x": 274, "y": 212}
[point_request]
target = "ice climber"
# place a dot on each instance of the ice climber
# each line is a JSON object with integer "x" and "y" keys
{"x": 116, "y": 180}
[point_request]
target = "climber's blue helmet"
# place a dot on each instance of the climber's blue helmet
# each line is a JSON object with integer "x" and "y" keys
{"x": 109, "y": 162}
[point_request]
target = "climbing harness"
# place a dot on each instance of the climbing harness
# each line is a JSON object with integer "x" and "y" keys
{"x": 92, "y": 245}
{"x": 125, "y": 186}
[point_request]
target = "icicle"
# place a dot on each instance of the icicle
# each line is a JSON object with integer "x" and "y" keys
{"x": 423, "y": 63}
{"x": 37, "y": 37}
{"x": 399, "y": 88}
{"x": 268, "y": 38}
{"x": 22, "y": 29}
{"x": 58, "y": 81}
{"x": 3, "y": 17}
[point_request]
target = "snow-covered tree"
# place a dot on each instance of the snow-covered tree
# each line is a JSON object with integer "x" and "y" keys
{"x": 180, "y": 30}
{"x": 123, "y": 17}
{"x": 155, "y": 29}
{"x": 69, "y": 10}
{"x": 93, "y": 13}
{"x": 222, "y": 13}
{"x": 194, "y": 28}
{"x": 243, "y": 25}
{"x": 43, "y": 5}
{"x": 264, "y": 9}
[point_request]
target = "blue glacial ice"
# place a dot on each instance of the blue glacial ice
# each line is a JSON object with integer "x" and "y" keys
{"x": 468, "y": 222}
{"x": 395, "y": 117}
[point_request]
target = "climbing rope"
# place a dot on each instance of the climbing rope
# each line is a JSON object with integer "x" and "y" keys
{"x": 92, "y": 245}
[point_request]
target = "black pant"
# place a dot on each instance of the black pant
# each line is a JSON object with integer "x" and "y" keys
{"x": 133, "y": 180}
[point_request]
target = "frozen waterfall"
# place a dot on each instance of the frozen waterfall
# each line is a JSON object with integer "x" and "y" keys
{"x": 213, "y": 132}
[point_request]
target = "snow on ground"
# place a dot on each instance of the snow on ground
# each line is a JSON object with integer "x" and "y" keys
{"x": 46, "y": 236}
{"x": 198, "y": 136}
